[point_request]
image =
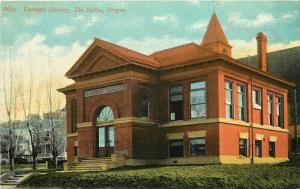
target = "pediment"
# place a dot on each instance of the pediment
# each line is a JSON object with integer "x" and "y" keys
{"x": 94, "y": 59}
{"x": 103, "y": 62}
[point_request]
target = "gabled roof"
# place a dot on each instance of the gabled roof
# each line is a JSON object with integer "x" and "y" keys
{"x": 214, "y": 32}
{"x": 130, "y": 56}
{"x": 128, "y": 53}
{"x": 182, "y": 54}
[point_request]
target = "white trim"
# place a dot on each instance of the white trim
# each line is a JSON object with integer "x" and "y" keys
{"x": 196, "y": 134}
{"x": 174, "y": 136}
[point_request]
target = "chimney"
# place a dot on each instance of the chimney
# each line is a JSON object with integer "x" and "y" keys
{"x": 262, "y": 40}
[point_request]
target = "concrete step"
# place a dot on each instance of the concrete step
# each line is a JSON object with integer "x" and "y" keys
{"x": 19, "y": 176}
{"x": 10, "y": 181}
{"x": 84, "y": 166}
{"x": 88, "y": 163}
{"x": 95, "y": 160}
{"x": 13, "y": 179}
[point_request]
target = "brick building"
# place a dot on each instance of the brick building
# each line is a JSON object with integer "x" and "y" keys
{"x": 285, "y": 64}
{"x": 189, "y": 104}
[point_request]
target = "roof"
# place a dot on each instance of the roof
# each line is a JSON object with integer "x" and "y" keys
{"x": 182, "y": 54}
{"x": 130, "y": 56}
{"x": 128, "y": 53}
{"x": 214, "y": 32}
{"x": 178, "y": 56}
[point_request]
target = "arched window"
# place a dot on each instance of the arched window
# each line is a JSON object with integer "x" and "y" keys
{"x": 225, "y": 52}
{"x": 106, "y": 114}
{"x": 145, "y": 106}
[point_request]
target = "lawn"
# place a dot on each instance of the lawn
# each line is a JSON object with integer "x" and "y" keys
{"x": 208, "y": 176}
{"x": 5, "y": 167}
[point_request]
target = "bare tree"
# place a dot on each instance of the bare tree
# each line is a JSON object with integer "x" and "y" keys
{"x": 53, "y": 139}
{"x": 10, "y": 101}
{"x": 27, "y": 105}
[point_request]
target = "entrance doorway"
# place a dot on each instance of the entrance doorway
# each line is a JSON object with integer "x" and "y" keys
{"x": 105, "y": 133}
{"x": 106, "y": 141}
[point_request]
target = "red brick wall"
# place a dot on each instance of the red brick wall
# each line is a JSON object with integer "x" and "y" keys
{"x": 123, "y": 139}
{"x": 86, "y": 141}
{"x": 230, "y": 134}
{"x": 70, "y": 149}
{"x": 119, "y": 101}
{"x": 134, "y": 139}
{"x": 264, "y": 85}
{"x": 212, "y": 137}
{"x": 149, "y": 142}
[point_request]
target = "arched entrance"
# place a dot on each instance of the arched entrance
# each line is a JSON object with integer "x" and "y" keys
{"x": 105, "y": 132}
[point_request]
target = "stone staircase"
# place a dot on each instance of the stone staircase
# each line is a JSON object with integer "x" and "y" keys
{"x": 98, "y": 164}
{"x": 14, "y": 180}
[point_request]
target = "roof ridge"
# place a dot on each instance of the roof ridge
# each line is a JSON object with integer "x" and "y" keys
{"x": 101, "y": 40}
{"x": 171, "y": 48}
{"x": 150, "y": 58}
{"x": 206, "y": 49}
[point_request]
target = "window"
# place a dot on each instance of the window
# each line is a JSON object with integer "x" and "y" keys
{"x": 258, "y": 148}
{"x": 144, "y": 106}
{"x": 74, "y": 115}
{"x": 229, "y": 99}
{"x": 197, "y": 147}
{"x": 243, "y": 148}
{"x": 270, "y": 109}
{"x": 198, "y": 99}
{"x": 106, "y": 114}
{"x": 272, "y": 149}
{"x": 101, "y": 136}
{"x": 176, "y": 148}
{"x": 279, "y": 111}
{"x": 256, "y": 96}
{"x": 176, "y": 103}
{"x": 242, "y": 105}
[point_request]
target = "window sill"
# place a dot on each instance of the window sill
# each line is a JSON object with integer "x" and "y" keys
{"x": 256, "y": 106}
{"x": 185, "y": 122}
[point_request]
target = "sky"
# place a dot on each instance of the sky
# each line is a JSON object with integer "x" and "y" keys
{"x": 33, "y": 36}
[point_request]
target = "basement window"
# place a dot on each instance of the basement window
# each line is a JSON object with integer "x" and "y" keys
{"x": 176, "y": 148}
{"x": 197, "y": 147}
{"x": 272, "y": 149}
{"x": 176, "y": 103}
{"x": 243, "y": 147}
{"x": 258, "y": 148}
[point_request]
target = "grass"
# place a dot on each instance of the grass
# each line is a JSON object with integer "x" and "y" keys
{"x": 208, "y": 176}
{"x": 5, "y": 167}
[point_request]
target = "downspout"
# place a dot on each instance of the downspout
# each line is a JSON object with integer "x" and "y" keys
{"x": 295, "y": 121}
{"x": 251, "y": 122}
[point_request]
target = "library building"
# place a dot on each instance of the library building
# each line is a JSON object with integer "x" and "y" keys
{"x": 190, "y": 104}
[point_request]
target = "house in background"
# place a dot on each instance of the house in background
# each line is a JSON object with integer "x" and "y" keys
{"x": 191, "y": 104}
{"x": 286, "y": 64}
{"x": 41, "y": 130}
